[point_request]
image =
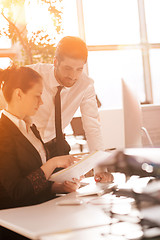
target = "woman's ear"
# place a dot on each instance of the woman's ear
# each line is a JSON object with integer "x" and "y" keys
{"x": 18, "y": 94}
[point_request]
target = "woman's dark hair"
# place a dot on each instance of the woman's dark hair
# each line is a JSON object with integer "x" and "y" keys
{"x": 73, "y": 47}
{"x": 17, "y": 77}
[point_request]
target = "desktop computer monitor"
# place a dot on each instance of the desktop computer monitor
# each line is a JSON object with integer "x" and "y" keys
{"x": 132, "y": 118}
{"x": 122, "y": 128}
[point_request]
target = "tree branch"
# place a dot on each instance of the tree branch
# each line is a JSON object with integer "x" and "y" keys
{"x": 23, "y": 42}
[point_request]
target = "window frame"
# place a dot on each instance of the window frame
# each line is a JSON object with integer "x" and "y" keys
{"x": 144, "y": 46}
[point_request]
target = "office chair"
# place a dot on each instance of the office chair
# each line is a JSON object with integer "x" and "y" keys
{"x": 78, "y": 132}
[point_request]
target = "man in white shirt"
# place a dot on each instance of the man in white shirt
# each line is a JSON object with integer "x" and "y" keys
{"x": 78, "y": 91}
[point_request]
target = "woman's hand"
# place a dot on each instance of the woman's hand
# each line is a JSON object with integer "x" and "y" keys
{"x": 71, "y": 186}
{"x": 65, "y": 161}
{"x": 67, "y": 186}
{"x": 57, "y": 162}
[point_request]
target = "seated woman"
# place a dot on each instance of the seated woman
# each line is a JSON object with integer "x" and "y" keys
{"x": 24, "y": 167}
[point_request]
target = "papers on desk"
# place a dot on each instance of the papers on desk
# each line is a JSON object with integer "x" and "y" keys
{"x": 81, "y": 167}
{"x": 96, "y": 189}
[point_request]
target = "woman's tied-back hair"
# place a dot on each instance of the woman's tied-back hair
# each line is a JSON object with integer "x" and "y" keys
{"x": 17, "y": 77}
{"x": 73, "y": 47}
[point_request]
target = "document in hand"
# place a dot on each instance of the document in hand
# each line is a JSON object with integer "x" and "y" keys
{"x": 82, "y": 166}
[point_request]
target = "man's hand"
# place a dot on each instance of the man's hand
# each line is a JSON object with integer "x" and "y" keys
{"x": 104, "y": 177}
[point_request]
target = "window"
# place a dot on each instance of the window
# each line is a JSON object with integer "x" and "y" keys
{"x": 123, "y": 42}
{"x": 152, "y": 20}
{"x": 108, "y": 67}
{"x": 109, "y": 22}
{"x": 69, "y": 19}
{"x": 152, "y": 23}
{"x": 5, "y": 45}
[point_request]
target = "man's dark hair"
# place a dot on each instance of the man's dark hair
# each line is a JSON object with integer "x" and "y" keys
{"x": 73, "y": 47}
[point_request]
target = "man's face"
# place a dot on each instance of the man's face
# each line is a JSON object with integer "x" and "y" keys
{"x": 68, "y": 70}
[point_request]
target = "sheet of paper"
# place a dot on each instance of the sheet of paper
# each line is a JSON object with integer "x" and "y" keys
{"x": 81, "y": 167}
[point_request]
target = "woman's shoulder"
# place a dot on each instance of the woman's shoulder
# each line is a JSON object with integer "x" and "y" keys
{"x": 5, "y": 127}
{"x": 3, "y": 130}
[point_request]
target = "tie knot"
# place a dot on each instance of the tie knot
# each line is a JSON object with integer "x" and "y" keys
{"x": 59, "y": 88}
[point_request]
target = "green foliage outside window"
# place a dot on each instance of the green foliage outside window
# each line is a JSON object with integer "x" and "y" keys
{"x": 39, "y": 45}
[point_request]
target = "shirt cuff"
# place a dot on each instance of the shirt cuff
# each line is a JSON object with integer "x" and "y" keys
{"x": 38, "y": 180}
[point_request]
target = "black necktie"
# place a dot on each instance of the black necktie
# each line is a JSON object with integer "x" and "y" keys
{"x": 37, "y": 134}
{"x": 58, "y": 124}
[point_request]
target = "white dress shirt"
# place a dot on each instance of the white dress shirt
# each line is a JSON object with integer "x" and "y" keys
{"x": 24, "y": 127}
{"x": 81, "y": 94}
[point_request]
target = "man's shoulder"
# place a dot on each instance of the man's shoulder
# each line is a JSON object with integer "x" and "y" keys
{"x": 85, "y": 78}
{"x": 46, "y": 70}
{"x": 41, "y": 67}
{"x": 83, "y": 84}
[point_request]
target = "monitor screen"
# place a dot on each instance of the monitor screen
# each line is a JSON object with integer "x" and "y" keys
{"x": 132, "y": 118}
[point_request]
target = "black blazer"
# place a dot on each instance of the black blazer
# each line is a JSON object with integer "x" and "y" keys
{"x": 22, "y": 182}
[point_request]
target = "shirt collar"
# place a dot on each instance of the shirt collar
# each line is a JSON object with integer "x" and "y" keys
{"x": 25, "y": 124}
{"x": 54, "y": 82}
